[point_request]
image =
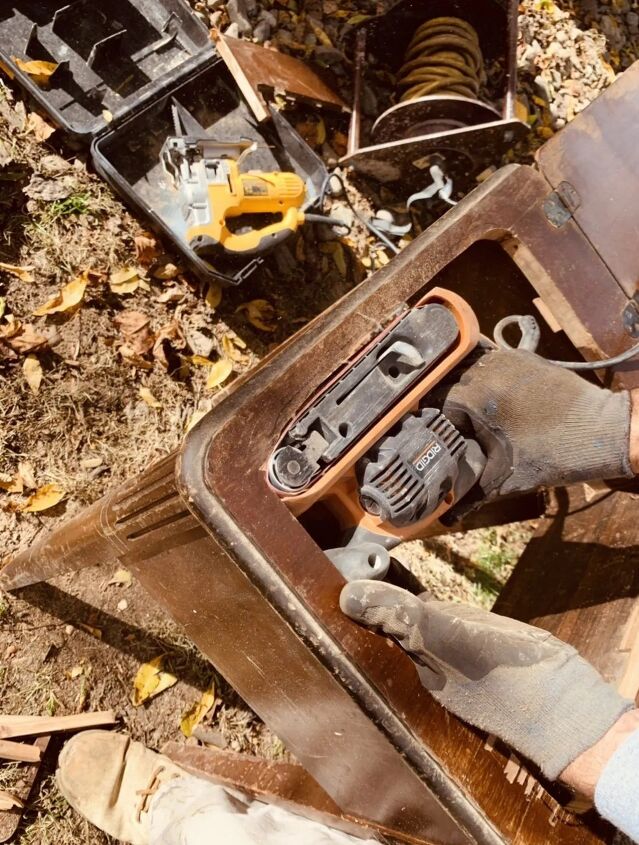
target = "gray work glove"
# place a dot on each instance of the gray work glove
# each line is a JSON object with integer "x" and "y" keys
{"x": 539, "y": 425}
{"x": 505, "y": 677}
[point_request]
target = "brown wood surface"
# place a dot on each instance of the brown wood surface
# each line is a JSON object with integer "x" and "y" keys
{"x": 579, "y": 578}
{"x": 598, "y": 156}
{"x": 257, "y": 69}
{"x": 505, "y": 217}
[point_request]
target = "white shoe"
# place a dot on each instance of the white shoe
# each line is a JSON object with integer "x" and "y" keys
{"x": 111, "y": 780}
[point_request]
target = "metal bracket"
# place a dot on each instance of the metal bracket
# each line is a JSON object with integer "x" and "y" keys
{"x": 561, "y": 204}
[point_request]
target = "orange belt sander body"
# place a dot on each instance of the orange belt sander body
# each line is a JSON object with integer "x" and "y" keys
{"x": 371, "y": 448}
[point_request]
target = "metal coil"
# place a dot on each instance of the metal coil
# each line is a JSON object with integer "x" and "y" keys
{"x": 443, "y": 58}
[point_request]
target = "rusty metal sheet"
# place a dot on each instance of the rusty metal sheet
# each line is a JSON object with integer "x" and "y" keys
{"x": 593, "y": 164}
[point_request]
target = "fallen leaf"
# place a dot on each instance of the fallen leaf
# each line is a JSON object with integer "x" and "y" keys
{"x": 44, "y": 498}
{"x": 47, "y": 190}
{"x": 68, "y": 297}
{"x": 321, "y": 132}
{"x": 192, "y": 718}
{"x": 22, "y": 337}
{"x": 40, "y": 72}
{"x": 90, "y": 629}
{"x": 74, "y": 672}
{"x": 134, "y": 326}
{"x": 231, "y": 345}
{"x": 358, "y": 19}
{"x": 11, "y": 483}
{"x": 130, "y": 356}
{"x": 32, "y": 371}
{"x": 124, "y": 281}
{"x": 201, "y": 361}
{"x": 149, "y": 398}
{"x": 23, "y": 273}
{"x": 38, "y": 127}
{"x": 219, "y": 373}
{"x": 146, "y": 248}
{"x": 26, "y": 475}
{"x": 151, "y": 680}
{"x": 169, "y": 339}
{"x": 213, "y": 295}
{"x": 171, "y": 294}
{"x": 121, "y": 578}
{"x": 166, "y": 272}
{"x": 194, "y": 419}
{"x": 260, "y": 313}
{"x": 319, "y": 33}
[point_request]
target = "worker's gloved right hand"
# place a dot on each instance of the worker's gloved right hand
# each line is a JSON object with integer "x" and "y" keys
{"x": 505, "y": 677}
{"x": 540, "y": 425}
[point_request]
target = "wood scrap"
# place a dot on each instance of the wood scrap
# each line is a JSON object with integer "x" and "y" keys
{"x": 19, "y": 752}
{"x": 16, "y": 726}
{"x": 10, "y": 819}
{"x": 257, "y": 70}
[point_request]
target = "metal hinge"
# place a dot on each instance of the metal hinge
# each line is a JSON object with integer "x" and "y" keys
{"x": 561, "y": 204}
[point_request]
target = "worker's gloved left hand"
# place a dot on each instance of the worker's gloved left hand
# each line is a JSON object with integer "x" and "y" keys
{"x": 505, "y": 677}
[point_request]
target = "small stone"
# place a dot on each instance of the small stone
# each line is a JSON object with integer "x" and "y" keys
{"x": 238, "y": 14}
{"x": 232, "y": 31}
{"x": 335, "y": 186}
{"x": 269, "y": 17}
{"x": 328, "y": 55}
{"x": 632, "y": 19}
{"x": 262, "y": 32}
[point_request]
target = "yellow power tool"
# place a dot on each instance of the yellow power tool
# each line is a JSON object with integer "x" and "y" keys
{"x": 214, "y": 191}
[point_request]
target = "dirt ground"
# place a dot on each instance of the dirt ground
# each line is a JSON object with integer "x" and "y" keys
{"x": 110, "y": 400}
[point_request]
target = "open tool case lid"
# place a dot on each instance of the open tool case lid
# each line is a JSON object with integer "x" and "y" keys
{"x": 122, "y": 65}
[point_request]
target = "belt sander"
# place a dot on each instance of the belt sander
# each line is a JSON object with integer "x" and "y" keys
{"x": 374, "y": 448}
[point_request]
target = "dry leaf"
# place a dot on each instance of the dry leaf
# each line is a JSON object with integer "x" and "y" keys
{"x": 11, "y": 483}
{"x": 40, "y": 72}
{"x": 149, "y": 398}
{"x": 260, "y": 313}
{"x": 130, "y": 356}
{"x": 74, "y": 672}
{"x": 32, "y": 371}
{"x": 165, "y": 272}
{"x": 213, "y": 295}
{"x": 38, "y": 127}
{"x": 169, "y": 339}
{"x": 26, "y": 475}
{"x": 121, "y": 578}
{"x": 192, "y": 718}
{"x": 194, "y": 419}
{"x": 146, "y": 248}
{"x": 90, "y": 629}
{"x": 70, "y": 296}
{"x": 44, "y": 498}
{"x": 135, "y": 328}
{"x": 319, "y": 33}
{"x": 201, "y": 361}
{"x": 219, "y": 373}
{"x": 151, "y": 680}
{"x": 172, "y": 294}
{"x": 22, "y": 337}
{"x": 23, "y": 273}
{"x": 124, "y": 281}
{"x": 321, "y": 132}
{"x": 231, "y": 345}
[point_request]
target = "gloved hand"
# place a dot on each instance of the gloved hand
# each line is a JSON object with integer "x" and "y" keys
{"x": 505, "y": 677}
{"x": 540, "y": 425}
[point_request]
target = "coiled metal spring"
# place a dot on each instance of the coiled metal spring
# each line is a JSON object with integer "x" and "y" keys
{"x": 443, "y": 58}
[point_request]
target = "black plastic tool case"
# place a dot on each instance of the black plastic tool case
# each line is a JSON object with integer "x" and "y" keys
{"x": 122, "y": 65}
